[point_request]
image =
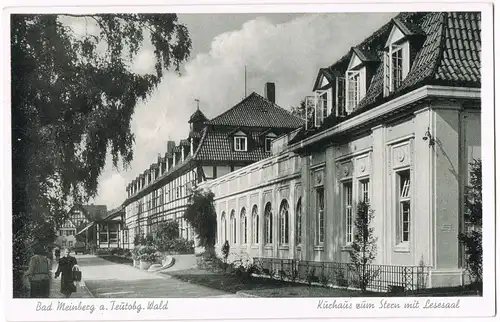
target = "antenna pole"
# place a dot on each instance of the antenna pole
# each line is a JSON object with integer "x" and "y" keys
{"x": 245, "y": 80}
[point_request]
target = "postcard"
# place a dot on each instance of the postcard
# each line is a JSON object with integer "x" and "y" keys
{"x": 207, "y": 161}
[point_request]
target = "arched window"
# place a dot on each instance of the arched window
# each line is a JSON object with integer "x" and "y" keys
{"x": 268, "y": 224}
{"x": 298, "y": 226}
{"x": 284, "y": 222}
{"x": 223, "y": 228}
{"x": 243, "y": 224}
{"x": 232, "y": 219}
{"x": 255, "y": 225}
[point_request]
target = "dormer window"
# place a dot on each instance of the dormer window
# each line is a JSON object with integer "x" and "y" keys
{"x": 396, "y": 59}
{"x": 356, "y": 81}
{"x": 240, "y": 143}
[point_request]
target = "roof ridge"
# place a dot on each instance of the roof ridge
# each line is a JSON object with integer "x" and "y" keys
{"x": 279, "y": 107}
{"x": 237, "y": 104}
{"x": 200, "y": 144}
{"x": 444, "y": 26}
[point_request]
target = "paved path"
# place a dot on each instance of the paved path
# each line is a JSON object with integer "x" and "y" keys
{"x": 55, "y": 287}
{"x": 105, "y": 279}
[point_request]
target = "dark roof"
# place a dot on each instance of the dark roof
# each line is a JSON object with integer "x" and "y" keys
{"x": 195, "y": 135}
{"x": 449, "y": 54}
{"x": 95, "y": 212}
{"x": 184, "y": 142}
{"x": 256, "y": 111}
{"x": 197, "y": 116}
{"x": 215, "y": 146}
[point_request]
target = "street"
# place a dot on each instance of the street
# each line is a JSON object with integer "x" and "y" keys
{"x": 105, "y": 279}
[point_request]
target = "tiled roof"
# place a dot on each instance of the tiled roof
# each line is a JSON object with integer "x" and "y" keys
{"x": 197, "y": 116}
{"x": 449, "y": 54}
{"x": 256, "y": 111}
{"x": 94, "y": 212}
{"x": 195, "y": 135}
{"x": 215, "y": 146}
{"x": 184, "y": 142}
{"x": 461, "y": 55}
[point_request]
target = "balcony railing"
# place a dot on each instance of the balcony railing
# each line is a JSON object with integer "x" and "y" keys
{"x": 383, "y": 278}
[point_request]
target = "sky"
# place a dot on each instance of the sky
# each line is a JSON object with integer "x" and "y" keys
{"x": 287, "y": 49}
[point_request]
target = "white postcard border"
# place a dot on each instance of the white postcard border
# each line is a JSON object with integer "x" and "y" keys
{"x": 259, "y": 308}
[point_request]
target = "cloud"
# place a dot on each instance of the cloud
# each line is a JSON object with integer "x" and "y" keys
{"x": 288, "y": 54}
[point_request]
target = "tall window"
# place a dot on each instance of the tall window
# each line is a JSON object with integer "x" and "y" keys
{"x": 340, "y": 97}
{"x": 364, "y": 192}
{"x": 223, "y": 227}
{"x": 404, "y": 205}
{"x": 397, "y": 67}
{"x": 347, "y": 196}
{"x": 232, "y": 219}
{"x": 243, "y": 224}
{"x": 320, "y": 212}
{"x": 321, "y": 108}
{"x": 255, "y": 225}
{"x": 284, "y": 217}
{"x": 298, "y": 226}
{"x": 240, "y": 143}
{"x": 268, "y": 224}
{"x": 353, "y": 90}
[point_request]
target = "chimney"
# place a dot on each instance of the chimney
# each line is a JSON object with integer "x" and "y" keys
{"x": 270, "y": 92}
{"x": 170, "y": 146}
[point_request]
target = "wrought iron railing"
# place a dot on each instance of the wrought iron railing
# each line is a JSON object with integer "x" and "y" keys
{"x": 381, "y": 278}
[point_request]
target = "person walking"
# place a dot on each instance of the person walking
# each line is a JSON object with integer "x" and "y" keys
{"x": 65, "y": 269}
{"x": 57, "y": 253}
{"x": 38, "y": 274}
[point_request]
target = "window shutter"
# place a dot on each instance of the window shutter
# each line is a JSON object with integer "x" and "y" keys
{"x": 318, "y": 110}
{"x": 340, "y": 96}
{"x": 387, "y": 74}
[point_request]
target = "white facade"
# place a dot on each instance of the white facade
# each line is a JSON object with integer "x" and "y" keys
{"x": 415, "y": 187}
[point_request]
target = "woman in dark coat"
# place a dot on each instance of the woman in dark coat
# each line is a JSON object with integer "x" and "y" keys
{"x": 65, "y": 268}
{"x": 39, "y": 274}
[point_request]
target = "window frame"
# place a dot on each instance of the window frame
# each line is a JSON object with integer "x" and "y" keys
{"x": 298, "y": 223}
{"x": 237, "y": 146}
{"x": 396, "y": 49}
{"x": 243, "y": 226}
{"x": 284, "y": 223}
{"x": 255, "y": 225}
{"x": 223, "y": 227}
{"x": 348, "y": 211}
{"x": 357, "y": 75}
{"x": 233, "y": 228}
{"x": 400, "y": 200}
{"x": 268, "y": 224}
{"x": 320, "y": 215}
{"x": 320, "y": 104}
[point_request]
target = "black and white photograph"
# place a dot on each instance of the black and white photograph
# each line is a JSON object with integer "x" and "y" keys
{"x": 336, "y": 156}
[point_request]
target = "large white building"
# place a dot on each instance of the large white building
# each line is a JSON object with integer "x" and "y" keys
{"x": 228, "y": 142}
{"x": 397, "y": 123}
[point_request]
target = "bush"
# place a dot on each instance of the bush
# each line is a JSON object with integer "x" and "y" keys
{"x": 178, "y": 245}
{"x": 311, "y": 276}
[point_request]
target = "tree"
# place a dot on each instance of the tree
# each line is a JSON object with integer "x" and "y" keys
{"x": 303, "y": 113}
{"x": 472, "y": 237}
{"x": 364, "y": 245}
{"x": 73, "y": 97}
{"x": 201, "y": 215}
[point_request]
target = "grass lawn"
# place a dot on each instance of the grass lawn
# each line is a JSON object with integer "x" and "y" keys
{"x": 261, "y": 287}
{"x": 117, "y": 259}
{"x": 264, "y": 287}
